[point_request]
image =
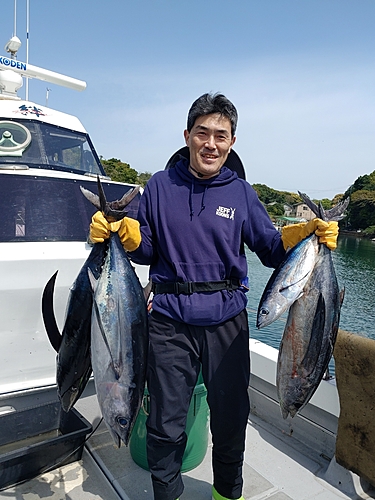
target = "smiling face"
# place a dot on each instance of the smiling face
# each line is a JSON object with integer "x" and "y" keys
{"x": 209, "y": 141}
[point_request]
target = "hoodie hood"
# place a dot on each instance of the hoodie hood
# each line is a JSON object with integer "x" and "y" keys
{"x": 225, "y": 176}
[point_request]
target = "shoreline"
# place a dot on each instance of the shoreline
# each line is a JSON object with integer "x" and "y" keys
{"x": 357, "y": 234}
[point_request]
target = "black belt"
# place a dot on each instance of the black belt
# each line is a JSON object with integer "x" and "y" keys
{"x": 189, "y": 287}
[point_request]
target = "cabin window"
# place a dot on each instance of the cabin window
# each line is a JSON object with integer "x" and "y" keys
{"x": 35, "y": 144}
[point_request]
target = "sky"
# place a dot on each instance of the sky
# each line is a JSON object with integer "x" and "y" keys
{"x": 301, "y": 74}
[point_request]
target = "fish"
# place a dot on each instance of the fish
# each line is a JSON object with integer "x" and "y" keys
{"x": 311, "y": 328}
{"x": 73, "y": 360}
{"x": 119, "y": 338}
{"x": 287, "y": 282}
{"x": 119, "y": 342}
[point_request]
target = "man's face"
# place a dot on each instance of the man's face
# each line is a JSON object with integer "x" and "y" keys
{"x": 209, "y": 142}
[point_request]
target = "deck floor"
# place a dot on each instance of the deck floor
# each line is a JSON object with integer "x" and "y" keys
{"x": 274, "y": 469}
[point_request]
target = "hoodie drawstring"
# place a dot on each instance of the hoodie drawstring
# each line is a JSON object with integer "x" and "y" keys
{"x": 191, "y": 200}
{"x": 203, "y": 206}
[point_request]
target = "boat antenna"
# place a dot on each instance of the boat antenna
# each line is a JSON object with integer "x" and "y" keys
{"x": 14, "y": 43}
{"x": 10, "y": 83}
{"x": 47, "y": 95}
{"x": 27, "y": 46}
{"x": 15, "y": 18}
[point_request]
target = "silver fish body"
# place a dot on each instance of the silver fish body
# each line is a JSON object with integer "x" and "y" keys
{"x": 311, "y": 328}
{"x": 309, "y": 337}
{"x": 119, "y": 342}
{"x": 73, "y": 361}
{"x": 287, "y": 282}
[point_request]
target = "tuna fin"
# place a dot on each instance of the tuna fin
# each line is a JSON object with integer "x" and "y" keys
{"x": 284, "y": 289}
{"x": 147, "y": 290}
{"x": 341, "y": 297}
{"x": 115, "y": 366}
{"x": 48, "y": 314}
{"x": 317, "y": 329}
{"x": 92, "y": 279}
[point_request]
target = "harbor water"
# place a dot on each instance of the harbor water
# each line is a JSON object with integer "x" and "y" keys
{"x": 354, "y": 261}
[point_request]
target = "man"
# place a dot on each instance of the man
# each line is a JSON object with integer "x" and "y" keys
{"x": 194, "y": 221}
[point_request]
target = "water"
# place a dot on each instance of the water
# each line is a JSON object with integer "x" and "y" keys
{"x": 354, "y": 261}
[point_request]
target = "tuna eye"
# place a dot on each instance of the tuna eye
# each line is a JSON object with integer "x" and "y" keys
{"x": 264, "y": 312}
{"x": 122, "y": 422}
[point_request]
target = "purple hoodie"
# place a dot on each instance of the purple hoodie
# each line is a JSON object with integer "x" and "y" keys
{"x": 194, "y": 230}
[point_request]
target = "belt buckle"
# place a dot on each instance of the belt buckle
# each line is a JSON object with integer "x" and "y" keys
{"x": 184, "y": 288}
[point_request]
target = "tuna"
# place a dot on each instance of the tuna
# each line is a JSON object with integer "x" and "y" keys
{"x": 311, "y": 328}
{"x": 73, "y": 361}
{"x": 287, "y": 282}
{"x": 73, "y": 346}
{"x": 119, "y": 342}
{"x": 119, "y": 331}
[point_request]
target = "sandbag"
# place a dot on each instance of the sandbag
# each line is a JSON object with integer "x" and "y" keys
{"x": 355, "y": 377}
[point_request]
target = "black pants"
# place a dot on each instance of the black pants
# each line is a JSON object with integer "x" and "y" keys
{"x": 177, "y": 353}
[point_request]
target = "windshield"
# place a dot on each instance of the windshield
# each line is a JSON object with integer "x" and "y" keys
{"x": 40, "y": 145}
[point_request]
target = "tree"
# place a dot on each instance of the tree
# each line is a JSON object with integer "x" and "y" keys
{"x": 269, "y": 195}
{"x": 337, "y": 199}
{"x": 362, "y": 209}
{"x": 275, "y": 210}
{"x": 326, "y": 203}
{"x": 364, "y": 182}
{"x": 119, "y": 171}
{"x": 143, "y": 178}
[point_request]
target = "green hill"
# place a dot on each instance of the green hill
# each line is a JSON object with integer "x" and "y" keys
{"x": 360, "y": 212}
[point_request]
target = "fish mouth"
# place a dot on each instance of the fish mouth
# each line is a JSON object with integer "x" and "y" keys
{"x": 116, "y": 438}
{"x": 262, "y": 317}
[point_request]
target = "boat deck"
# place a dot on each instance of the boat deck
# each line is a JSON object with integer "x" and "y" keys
{"x": 276, "y": 468}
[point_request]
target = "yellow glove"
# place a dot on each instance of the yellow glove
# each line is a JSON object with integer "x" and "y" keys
{"x": 327, "y": 233}
{"x": 127, "y": 228}
{"x": 129, "y": 233}
{"x": 100, "y": 228}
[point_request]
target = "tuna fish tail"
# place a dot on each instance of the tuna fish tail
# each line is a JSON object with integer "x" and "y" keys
{"x": 335, "y": 213}
{"x": 113, "y": 210}
{"x": 48, "y": 314}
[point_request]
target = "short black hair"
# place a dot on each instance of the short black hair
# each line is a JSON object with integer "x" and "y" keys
{"x": 208, "y": 104}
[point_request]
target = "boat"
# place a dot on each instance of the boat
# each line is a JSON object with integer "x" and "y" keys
{"x": 45, "y": 156}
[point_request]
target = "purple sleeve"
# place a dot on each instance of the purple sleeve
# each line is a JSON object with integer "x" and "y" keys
{"x": 145, "y": 252}
{"x": 260, "y": 234}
